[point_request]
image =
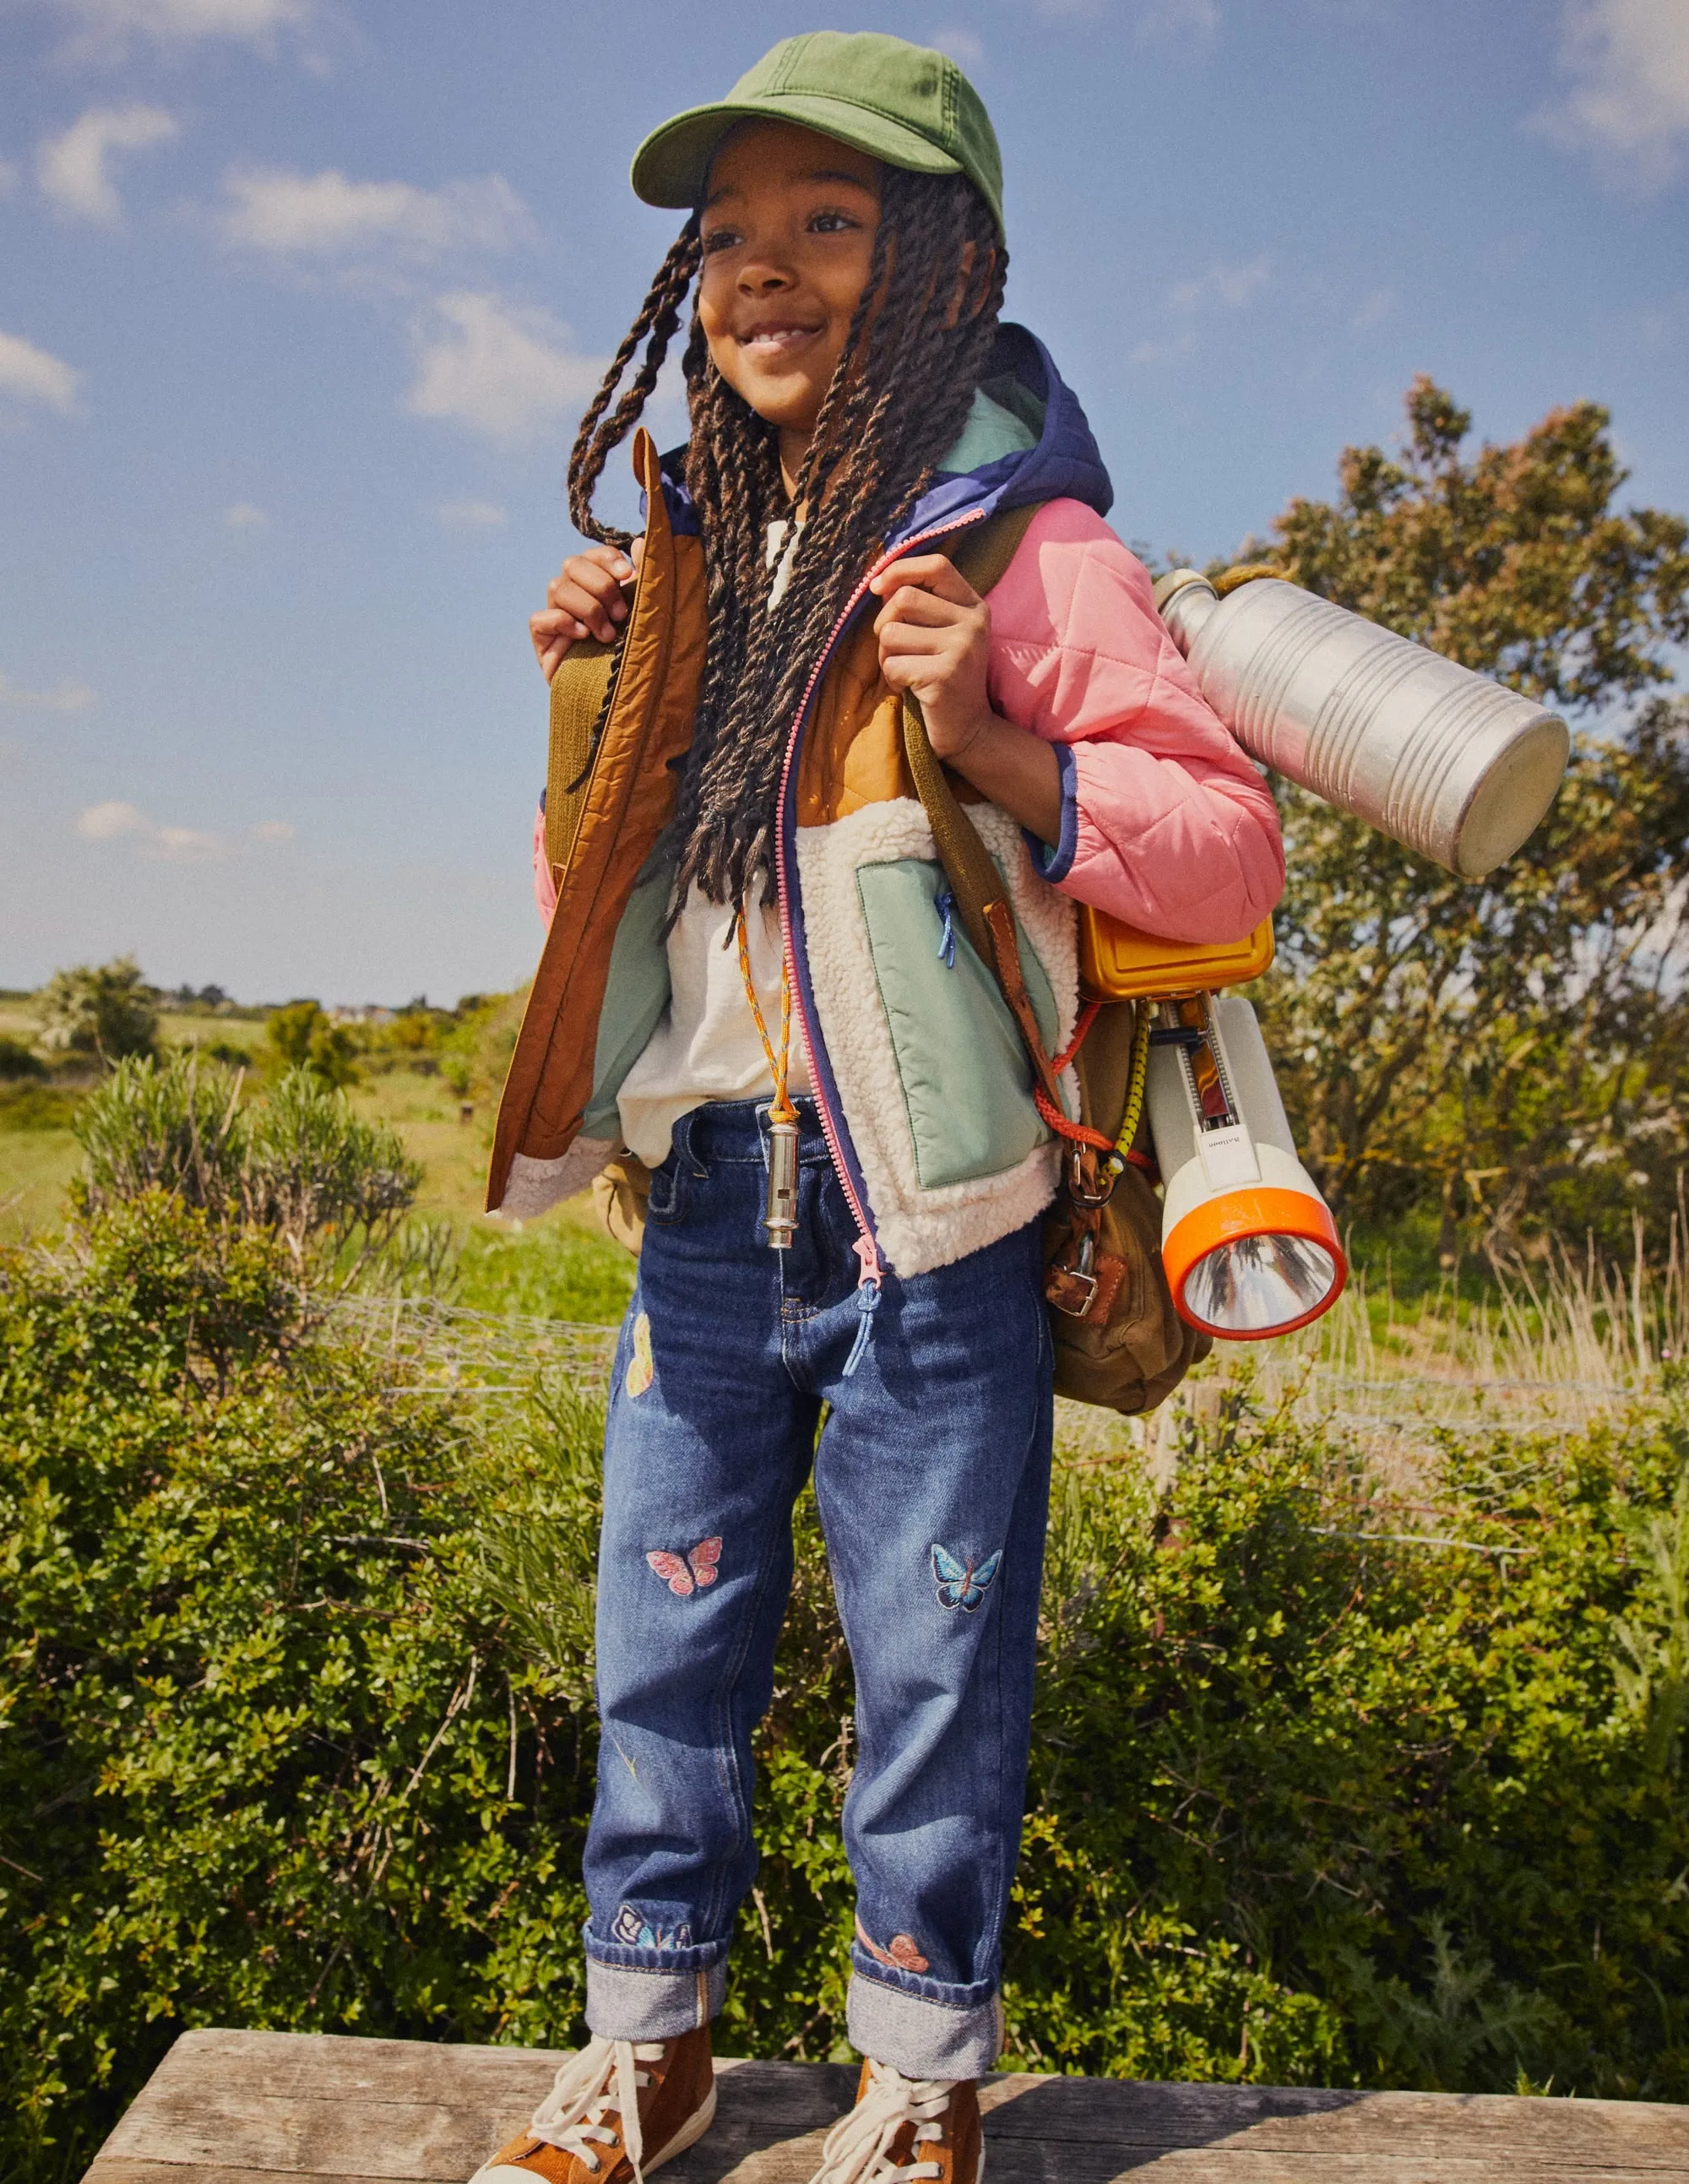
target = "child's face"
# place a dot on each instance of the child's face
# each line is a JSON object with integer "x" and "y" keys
{"x": 788, "y": 229}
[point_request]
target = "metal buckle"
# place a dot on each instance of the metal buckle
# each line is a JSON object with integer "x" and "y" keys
{"x": 1087, "y": 1197}
{"x": 1080, "y": 1273}
{"x": 1079, "y": 1311}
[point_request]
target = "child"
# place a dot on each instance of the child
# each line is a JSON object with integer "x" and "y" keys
{"x": 750, "y": 851}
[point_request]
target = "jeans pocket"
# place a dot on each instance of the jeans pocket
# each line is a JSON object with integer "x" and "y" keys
{"x": 667, "y": 1203}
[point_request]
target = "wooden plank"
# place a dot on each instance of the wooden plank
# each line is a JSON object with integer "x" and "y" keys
{"x": 1128, "y": 2112}
{"x": 233, "y": 2108}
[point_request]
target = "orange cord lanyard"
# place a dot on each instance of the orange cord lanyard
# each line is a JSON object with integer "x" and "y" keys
{"x": 781, "y": 1219}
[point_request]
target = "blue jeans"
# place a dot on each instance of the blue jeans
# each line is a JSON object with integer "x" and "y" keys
{"x": 932, "y": 1477}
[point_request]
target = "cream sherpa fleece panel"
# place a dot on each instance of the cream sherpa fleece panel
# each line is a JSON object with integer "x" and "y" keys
{"x": 918, "y": 1230}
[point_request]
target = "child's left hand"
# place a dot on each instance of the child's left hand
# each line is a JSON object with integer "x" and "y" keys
{"x": 934, "y": 634}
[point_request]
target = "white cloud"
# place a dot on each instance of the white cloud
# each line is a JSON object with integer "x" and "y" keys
{"x": 103, "y": 822}
{"x": 271, "y": 830}
{"x": 176, "y": 845}
{"x": 328, "y": 215}
{"x": 1629, "y": 63}
{"x": 1229, "y": 286}
{"x": 244, "y": 516}
{"x": 1373, "y": 311}
{"x": 961, "y": 45}
{"x": 471, "y": 515}
{"x": 106, "y": 29}
{"x": 508, "y": 372}
{"x": 32, "y": 375}
{"x": 1222, "y": 287}
{"x": 71, "y": 168}
{"x": 63, "y": 698}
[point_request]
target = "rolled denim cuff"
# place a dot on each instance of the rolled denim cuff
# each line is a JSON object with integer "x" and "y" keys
{"x": 920, "y": 2027}
{"x": 653, "y": 1994}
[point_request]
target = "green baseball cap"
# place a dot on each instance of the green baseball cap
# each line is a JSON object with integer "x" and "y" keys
{"x": 905, "y": 104}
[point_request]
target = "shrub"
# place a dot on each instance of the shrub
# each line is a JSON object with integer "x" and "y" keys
{"x": 335, "y": 1190}
{"x": 30, "y": 1106}
{"x": 271, "y": 1756}
{"x": 16, "y": 1062}
{"x": 105, "y": 1011}
{"x": 295, "y": 1662}
{"x": 109, "y": 1010}
{"x": 301, "y": 1036}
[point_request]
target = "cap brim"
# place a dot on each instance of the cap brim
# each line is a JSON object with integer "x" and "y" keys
{"x": 673, "y": 165}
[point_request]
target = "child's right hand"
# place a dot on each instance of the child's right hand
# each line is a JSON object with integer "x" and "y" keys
{"x": 583, "y": 599}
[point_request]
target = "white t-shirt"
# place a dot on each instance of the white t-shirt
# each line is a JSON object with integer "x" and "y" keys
{"x": 706, "y": 1047}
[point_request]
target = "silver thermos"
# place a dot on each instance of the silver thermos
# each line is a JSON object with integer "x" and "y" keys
{"x": 1446, "y": 761}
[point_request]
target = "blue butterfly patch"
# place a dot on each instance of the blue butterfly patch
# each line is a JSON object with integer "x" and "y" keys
{"x": 963, "y": 1585}
{"x": 635, "y": 1933}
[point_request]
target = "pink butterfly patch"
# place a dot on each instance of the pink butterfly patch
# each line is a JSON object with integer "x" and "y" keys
{"x": 697, "y": 1569}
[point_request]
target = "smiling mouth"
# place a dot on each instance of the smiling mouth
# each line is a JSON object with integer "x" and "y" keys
{"x": 777, "y": 341}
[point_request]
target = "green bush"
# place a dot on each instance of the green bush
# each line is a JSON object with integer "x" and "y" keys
{"x": 295, "y": 1674}
{"x": 17, "y": 1061}
{"x": 108, "y": 1010}
{"x": 296, "y": 1162}
{"x": 302, "y": 1036}
{"x": 28, "y": 1106}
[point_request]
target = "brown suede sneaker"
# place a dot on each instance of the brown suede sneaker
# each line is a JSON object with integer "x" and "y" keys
{"x": 905, "y": 2128}
{"x": 658, "y": 2096}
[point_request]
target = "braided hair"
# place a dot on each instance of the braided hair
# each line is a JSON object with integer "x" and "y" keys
{"x": 917, "y": 347}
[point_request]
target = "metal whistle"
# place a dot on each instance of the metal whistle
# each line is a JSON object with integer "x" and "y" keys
{"x": 781, "y": 1219}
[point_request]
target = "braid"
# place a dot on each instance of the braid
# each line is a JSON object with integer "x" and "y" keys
{"x": 660, "y": 318}
{"x": 897, "y": 405}
{"x": 918, "y": 345}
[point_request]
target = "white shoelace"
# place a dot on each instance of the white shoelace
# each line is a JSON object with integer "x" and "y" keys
{"x": 602, "y": 2079}
{"x": 857, "y": 2148}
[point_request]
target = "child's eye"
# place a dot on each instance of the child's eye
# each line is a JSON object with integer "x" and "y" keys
{"x": 720, "y": 238}
{"x": 832, "y": 223}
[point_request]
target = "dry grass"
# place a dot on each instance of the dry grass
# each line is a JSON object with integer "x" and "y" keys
{"x": 1548, "y": 1349}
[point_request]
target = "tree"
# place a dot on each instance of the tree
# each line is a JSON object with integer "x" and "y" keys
{"x": 1506, "y": 1054}
{"x": 109, "y": 1010}
{"x": 301, "y": 1036}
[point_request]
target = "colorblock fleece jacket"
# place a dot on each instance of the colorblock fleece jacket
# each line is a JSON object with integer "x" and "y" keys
{"x": 922, "y": 1083}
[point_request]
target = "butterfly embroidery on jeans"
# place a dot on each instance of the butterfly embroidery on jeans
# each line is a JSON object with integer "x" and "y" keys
{"x": 963, "y": 1585}
{"x": 697, "y": 1569}
{"x": 904, "y": 1953}
{"x": 635, "y": 1933}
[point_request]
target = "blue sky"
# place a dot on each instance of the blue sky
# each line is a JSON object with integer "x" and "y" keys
{"x": 300, "y": 301}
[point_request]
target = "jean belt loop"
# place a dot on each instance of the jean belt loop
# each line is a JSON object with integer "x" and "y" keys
{"x": 686, "y": 1153}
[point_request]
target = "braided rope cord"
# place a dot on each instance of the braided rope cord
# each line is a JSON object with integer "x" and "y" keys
{"x": 779, "y": 1066}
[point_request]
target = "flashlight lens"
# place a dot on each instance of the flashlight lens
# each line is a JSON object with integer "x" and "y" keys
{"x": 1257, "y": 1283}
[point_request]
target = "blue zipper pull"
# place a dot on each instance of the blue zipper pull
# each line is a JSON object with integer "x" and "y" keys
{"x": 867, "y": 1304}
{"x": 945, "y": 904}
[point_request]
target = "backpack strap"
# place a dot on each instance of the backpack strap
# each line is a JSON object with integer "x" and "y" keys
{"x": 982, "y": 896}
{"x": 581, "y": 692}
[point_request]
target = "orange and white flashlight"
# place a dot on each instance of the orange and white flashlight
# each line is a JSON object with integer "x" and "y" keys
{"x": 1249, "y": 1244}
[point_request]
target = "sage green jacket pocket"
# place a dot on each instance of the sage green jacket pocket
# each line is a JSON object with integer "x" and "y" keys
{"x": 966, "y": 1081}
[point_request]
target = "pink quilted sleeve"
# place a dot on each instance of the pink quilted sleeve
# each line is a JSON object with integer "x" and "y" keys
{"x": 1165, "y": 823}
{"x": 544, "y": 887}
